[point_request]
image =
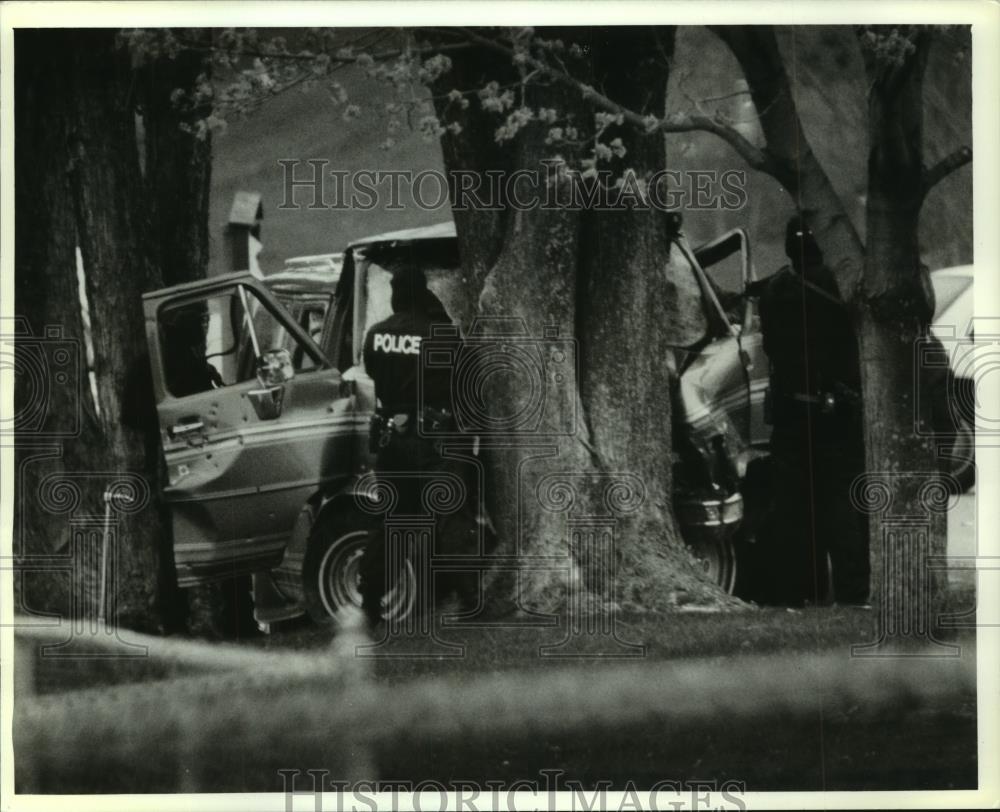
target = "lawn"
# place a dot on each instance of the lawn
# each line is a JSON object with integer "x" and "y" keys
{"x": 770, "y": 699}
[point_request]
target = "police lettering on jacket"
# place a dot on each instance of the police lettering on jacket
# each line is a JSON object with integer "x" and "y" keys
{"x": 397, "y": 344}
{"x": 392, "y": 356}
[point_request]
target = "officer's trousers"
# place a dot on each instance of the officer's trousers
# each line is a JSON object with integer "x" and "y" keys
{"x": 408, "y": 466}
{"x": 814, "y": 463}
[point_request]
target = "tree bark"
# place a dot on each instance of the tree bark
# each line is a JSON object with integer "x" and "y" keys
{"x": 630, "y": 314}
{"x": 892, "y": 315}
{"x": 74, "y": 98}
{"x": 46, "y": 296}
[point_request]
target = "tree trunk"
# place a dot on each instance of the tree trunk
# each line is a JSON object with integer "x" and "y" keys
{"x": 893, "y": 313}
{"x": 178, "y": 163}
{"x": 47, "y": 300}
{"x": 599, "y": 278}
{"x": 91, "y": 167}
{"x": 630, "y": 314}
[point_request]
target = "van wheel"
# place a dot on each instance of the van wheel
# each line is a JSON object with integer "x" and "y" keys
{"x": 333, "y": 571}
{"x": 717, "y": 560}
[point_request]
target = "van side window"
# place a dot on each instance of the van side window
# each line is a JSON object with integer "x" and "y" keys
{"x": 208, "y": 343}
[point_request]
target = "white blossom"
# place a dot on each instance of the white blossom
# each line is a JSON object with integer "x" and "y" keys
{"x": 430, "y": 128}
{"x": 602, "y": 152}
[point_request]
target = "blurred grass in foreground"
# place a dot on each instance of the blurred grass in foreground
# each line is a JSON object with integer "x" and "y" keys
{"x": 773, "y": 700}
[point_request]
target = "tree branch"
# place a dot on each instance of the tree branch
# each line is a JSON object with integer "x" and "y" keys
{"x": 675, "y": 123}
{"x": 798, "y": 169}
{"x": 756, "y": 157}
{"x": 944, "y": 167}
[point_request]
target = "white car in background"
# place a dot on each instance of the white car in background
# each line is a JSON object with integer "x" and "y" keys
{"x": 953, "y": 326}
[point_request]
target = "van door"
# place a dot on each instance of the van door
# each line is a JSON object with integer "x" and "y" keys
{"x": 253, "y": 421}
{"x": 741, "y": 381}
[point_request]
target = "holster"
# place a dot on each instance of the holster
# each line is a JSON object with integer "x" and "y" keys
{"x": 379, "y": 432}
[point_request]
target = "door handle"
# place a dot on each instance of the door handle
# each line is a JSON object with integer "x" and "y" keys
{"x": 182, "y": 429}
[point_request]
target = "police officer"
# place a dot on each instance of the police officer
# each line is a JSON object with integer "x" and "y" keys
{"x": 817, "y": 446}
{"x": 405, "y": 423}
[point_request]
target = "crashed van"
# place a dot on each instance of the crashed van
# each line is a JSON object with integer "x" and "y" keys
{"x": 264, "y": 406}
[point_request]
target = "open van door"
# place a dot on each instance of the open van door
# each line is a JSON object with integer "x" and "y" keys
{"x": 730, "y": 276}
{"x": 253, "y": 420}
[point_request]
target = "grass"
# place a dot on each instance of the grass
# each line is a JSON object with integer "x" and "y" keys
{"x": 662, "y": 636}
{"x": 716, "y": 697}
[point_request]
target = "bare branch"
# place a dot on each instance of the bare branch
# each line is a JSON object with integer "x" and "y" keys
{"x": 756, "y": 157}
{"x": 725, "y": 96}
{"x": 944, "y": 167}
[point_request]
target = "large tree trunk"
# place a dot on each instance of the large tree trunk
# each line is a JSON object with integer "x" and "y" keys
{"x": 76, "y": 128}
{"x": 893, "y": 312}
{"x": 631, "y": 312}
{"x": 47, "y": 300}
{"x": 601, "y": 279}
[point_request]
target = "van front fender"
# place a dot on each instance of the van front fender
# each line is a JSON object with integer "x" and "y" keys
{"x": 288, "y": 575}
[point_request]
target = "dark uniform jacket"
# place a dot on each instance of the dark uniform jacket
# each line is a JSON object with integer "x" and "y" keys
{"x": 809, "y": 338}
{"x": 393, "y": 359}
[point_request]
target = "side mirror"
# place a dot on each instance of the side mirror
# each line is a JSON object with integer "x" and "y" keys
{"x": 274, "y": 370}
{"x": 267, "y": 402}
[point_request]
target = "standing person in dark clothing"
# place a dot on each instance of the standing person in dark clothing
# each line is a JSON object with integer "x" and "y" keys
{"x": 817, "y": 443}
{"x": 407, "y": 411}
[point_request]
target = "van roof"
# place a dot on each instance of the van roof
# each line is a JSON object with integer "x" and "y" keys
{"x": 440, "y": 231}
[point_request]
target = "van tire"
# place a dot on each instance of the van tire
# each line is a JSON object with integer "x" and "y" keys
{"x": 716, "y": 558}
{"x": 332, "y": 569}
